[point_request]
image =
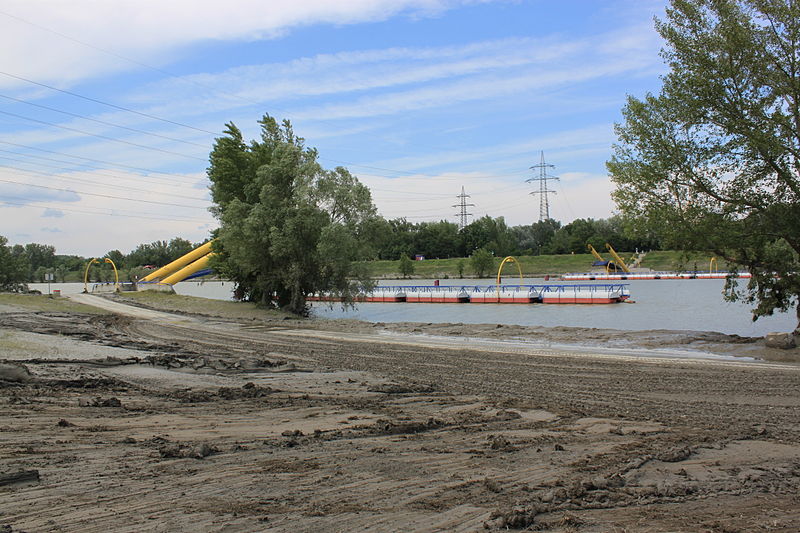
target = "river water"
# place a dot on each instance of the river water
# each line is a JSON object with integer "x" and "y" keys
{"x": 695, "y": 304}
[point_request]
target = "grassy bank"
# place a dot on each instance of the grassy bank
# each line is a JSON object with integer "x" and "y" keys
{"x": 171, "y": 302}
{"x": 537, "y": 266}
{"x": 43, "y": 302}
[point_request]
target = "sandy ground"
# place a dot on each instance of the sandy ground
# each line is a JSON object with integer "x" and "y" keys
{"x": 140, "y": 420}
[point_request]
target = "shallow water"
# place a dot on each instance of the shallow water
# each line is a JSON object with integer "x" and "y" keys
{"x": 695, "y": 304}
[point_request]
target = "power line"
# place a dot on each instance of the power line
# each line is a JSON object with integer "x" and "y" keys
{"x": 73, "y": 210}
{"x": 94, "y": 194}
{"x": 121, "y": 108}
{"x": 90, "y": 182}
{"x": 93, "y": 169}
{"x": 408, "y": 174}
{"x": 105, "y": 123}
{"x": 194, "y": 82}
{"x": 101, "y": 136}
{"x": 92, "y": 160}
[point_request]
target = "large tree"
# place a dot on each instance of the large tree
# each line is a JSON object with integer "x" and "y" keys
{"x": 713, "y": 162}
{"x": 14, "y": 267}
{"x": 289, "y": 228}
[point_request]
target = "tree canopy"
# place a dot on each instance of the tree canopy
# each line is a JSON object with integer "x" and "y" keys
{"x": 288, "y": 227}
{"x": 14, "y": 267}
{"x": 713, "y": 162}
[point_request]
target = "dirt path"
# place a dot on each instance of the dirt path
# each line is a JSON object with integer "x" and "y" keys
{"x": 148, "y": 421}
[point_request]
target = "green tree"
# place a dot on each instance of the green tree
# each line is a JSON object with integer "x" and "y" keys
{"x": 14, "y": 267}
{"x": 118, "y": 258}
{"x": 406, "y": 266}
{"x": 156, "y": 253}
{"x": 482, "y": 262}
{"x": 490, "y": 233}
{"x": 41, "y": 257}
{"x": 713, "y": 162}
{"x": 460, "y": 265}
{"x": 288, "y": 228}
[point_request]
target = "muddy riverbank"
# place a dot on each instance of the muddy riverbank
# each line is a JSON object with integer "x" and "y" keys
{"x": 138, "y": 420}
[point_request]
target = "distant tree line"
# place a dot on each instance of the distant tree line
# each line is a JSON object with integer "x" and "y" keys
{"x": 388, "y": 239}
{"x": 397, "y": 238}
{"x": 30, "y": 263}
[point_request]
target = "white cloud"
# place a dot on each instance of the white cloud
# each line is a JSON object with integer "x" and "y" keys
{"x": 378, "y": 82}
{"x": 52, "y": 213}
{"x": 39, "y": 38}
{"x": 103, "y": 213}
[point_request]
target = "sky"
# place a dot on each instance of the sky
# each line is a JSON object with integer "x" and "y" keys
{"x": 108, "y": 110}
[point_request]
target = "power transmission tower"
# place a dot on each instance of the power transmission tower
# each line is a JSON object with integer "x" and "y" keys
{"x": 462, "y": 214}
{"x": 544, "y": 204}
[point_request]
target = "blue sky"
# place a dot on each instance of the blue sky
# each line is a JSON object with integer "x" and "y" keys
{"x": 108, "y": 110}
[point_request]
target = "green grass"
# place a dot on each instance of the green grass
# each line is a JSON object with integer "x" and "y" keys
{"x": 532, "y": 266}
{"x": 43, "y": 302}
{"x": 539, "y": 266}
{"x": 203, "y": 306}
{"x": 675, "y": 261}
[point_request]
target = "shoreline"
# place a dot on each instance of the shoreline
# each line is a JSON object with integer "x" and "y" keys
{"x": 247, "y": 424}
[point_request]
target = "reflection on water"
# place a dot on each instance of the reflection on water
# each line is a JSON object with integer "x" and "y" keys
{"x": 660, "y": 304}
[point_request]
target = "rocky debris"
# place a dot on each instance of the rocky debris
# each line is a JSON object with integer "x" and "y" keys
{"x": 500, "y": 443}
{"x": 675, "y": 455}
{"x": 19, "y": 477}
{"x": 174, "y": 450}
{"x": 14, "y": 372}
{"x": 208, "y": 363}
{"x": 397, "y": 388}
{"x": 100, "y": 402}
{"x": 248, "y": 391}
{"x": 514, "y": 518}
{"x": 504, "y": 415}
{"x": 65, "y": 424}
{"x": 782, "y": 341}
{"x": 87, "y": 383}
{"x": 387, "y": 427}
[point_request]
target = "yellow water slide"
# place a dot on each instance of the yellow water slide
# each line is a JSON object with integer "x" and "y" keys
{"x": 187, "y": 271}
{"x": 167, "y": 271}
{"x": 617, "y": 258}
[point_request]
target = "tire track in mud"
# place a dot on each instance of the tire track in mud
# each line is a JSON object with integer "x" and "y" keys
{"x": 450, "y": 476}
{"x": 673, "y": 391}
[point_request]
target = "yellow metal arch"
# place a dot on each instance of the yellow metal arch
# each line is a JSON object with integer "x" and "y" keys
{"x": 713, "y": 264}
{"x": 508, "y": 259}
{"x": 86, "y": 273}
{"x": 116, "y": 274}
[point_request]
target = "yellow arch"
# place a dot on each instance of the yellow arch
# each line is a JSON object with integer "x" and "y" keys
{"x": 713, "y": 264}
{"x": 86, "y": 273}
{"x": 116, "y": 274}
{"x": 179, "y": 263}
{"x": 508, "y": 259}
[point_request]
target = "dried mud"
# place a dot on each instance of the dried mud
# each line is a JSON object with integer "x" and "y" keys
{"x": 155, "y": 422}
